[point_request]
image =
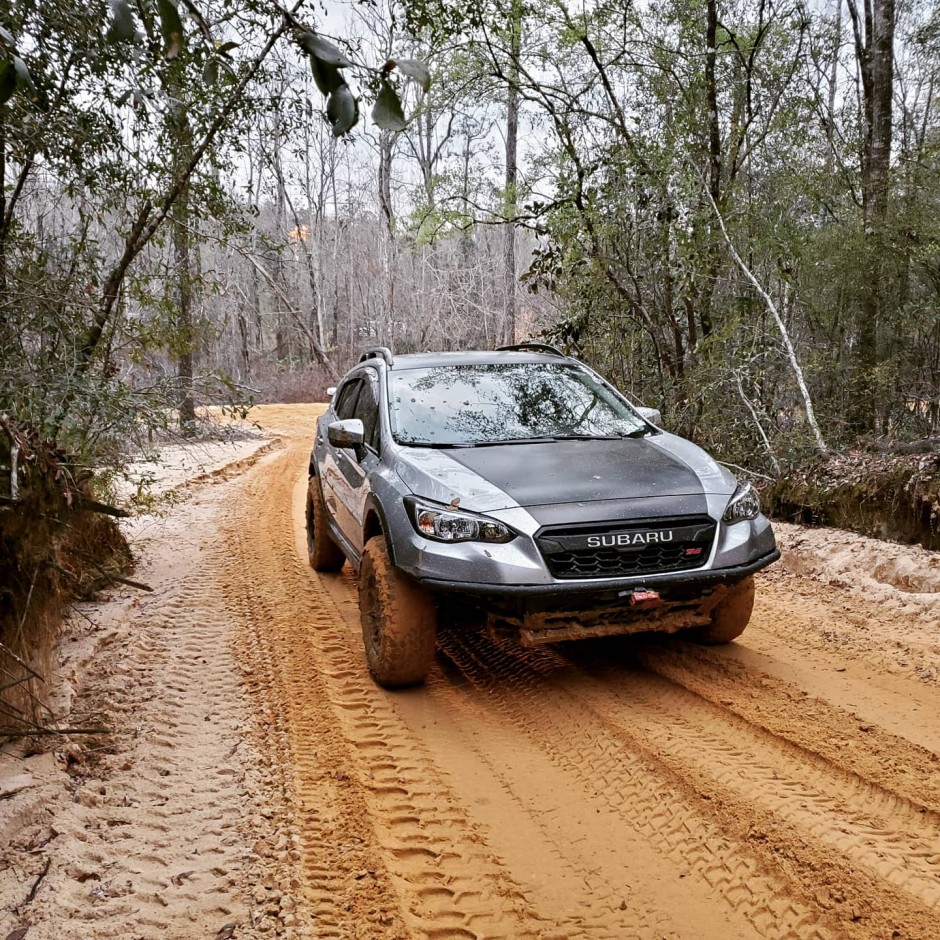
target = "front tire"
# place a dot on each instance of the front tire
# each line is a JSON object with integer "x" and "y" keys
{"x": 323, "y": 552}
{"x": 730, "y": 617}
{"x": 399, "y": 620}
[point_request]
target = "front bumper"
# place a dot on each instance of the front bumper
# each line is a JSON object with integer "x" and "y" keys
{"x": 605, "y": 587}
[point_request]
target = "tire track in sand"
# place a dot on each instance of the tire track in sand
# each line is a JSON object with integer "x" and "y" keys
{"x": 525, "y": 689}
{"x": 735, "y": 681}
{"x": 387, "y": 850}
{"x": 532, "y": 774}
{"x": 871, "y": 827}
{"x": 844, "y": 846}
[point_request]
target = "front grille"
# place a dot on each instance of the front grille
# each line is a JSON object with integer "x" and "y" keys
{"x": 689, "y": 548}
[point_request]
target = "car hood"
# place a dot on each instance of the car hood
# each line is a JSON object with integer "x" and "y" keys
{"x": 486, "y": 479}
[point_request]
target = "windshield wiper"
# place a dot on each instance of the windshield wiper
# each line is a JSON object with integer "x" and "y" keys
{"x": 553, "y": 438}
{"x": 436, "y": 445}
{"x": 544, "y": 439}
{"x": 639, "y": 432}
{"x": 511, "y": 440}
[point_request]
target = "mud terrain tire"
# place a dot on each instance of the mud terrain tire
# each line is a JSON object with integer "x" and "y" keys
{"x": 324, "y": 553}
{"x": 730, "y": 617}
{"x": 399, "y": 620}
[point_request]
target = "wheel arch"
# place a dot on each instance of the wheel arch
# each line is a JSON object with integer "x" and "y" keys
{"x": 375, "y": 523}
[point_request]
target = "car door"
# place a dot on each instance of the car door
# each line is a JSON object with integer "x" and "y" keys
{"x": 336, "y": 463}
{"x": 347, "y": 471}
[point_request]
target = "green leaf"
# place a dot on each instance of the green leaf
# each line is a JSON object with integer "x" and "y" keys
{"x": 326, "y": 77}
{"x": 387, "y": 112}
{"x": 7, "y": 80}
{"x": 323, "y": 50}
{"x": 210, "y": 72}
{"x": 7, "y": 37}
{"x": 416, "y": 70}
{"x": 25, "y": 84}
{"x": 123, "y": 28}
{"x": 172, "y": 28}
{"x": 342, "y": 111}
{"x": 228, "y": 74}
{"x": 23, "y": 79}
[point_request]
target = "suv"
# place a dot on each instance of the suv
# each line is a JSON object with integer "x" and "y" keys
{"x": 524, "y": 480}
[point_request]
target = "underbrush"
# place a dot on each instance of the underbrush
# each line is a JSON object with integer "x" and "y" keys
{"x": 57, "y": 544}
{"x": 883, "y": 495}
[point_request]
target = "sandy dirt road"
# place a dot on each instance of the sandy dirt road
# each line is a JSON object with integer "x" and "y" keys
{"x": 787, "y": 786}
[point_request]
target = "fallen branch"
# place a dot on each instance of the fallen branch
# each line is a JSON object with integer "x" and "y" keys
{"x": 110, "y": 575}
{"x": 32, "y": 891}
{"x": 134, "y": 584}
{"x": 92, "y": 505}
{"x": 746, "y": 471}
{"x": 7, "y": 651}
{"x": 17, "y": 714}
{"x": 315, "y": 346}
{"x": 760, "y": 428}
{"x": 18, "y": 733}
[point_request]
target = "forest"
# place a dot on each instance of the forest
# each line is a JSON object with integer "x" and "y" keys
{"x": 728, "y": 208}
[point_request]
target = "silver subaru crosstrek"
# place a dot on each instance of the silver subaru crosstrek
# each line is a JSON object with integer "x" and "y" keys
{"x": 523, "y": 480}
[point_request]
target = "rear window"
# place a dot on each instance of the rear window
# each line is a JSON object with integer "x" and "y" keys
{"x": 492, "y": 403}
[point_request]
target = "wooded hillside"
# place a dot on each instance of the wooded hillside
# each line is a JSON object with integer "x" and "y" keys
{"x": 728, "y": 208}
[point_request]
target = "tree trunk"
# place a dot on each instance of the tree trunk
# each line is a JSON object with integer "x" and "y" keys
{"x": 281, "y": 336}
{"x": 386, "y": 148}
{"x": 874, "y": 48}
{"x": 3, "y": 203}
{"x": 714, "y": 163}
{"x": 182, "y": 250}
{"x": 181, "y": 136}
{"x": 510, "y": 198}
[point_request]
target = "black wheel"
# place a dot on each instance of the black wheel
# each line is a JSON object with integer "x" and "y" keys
{"x": 324, "y": 553}
{"x": 399, "y": 620}
{"x": 730, "y": 617}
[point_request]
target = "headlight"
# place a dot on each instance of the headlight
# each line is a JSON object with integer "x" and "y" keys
{"x": 744, "y": 505}
{"x": 448, "y": 525}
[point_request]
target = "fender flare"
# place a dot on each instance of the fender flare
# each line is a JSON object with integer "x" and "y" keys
{"x": 374, "y": 510}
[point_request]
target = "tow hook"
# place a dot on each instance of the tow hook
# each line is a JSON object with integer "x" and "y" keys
{"x": 644, "y": 598}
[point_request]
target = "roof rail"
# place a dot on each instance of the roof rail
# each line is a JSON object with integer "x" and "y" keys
{"x": 533, "y": 347}
{"x": 378, "y": 352}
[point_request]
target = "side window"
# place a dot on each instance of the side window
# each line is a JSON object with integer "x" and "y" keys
{"x": 367, "y": 411}
{"x": 346, "y": 399}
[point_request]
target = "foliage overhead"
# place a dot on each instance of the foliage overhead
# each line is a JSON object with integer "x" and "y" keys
{"x": 657, "y": 142}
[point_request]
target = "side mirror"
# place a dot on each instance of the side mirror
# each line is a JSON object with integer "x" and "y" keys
{"x": 330, "y": 392}
{"x": 348, "y": 433}
{"x": 653, "y": 415}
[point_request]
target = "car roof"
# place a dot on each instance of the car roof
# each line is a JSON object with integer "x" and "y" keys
{"x": 431, "y": 360}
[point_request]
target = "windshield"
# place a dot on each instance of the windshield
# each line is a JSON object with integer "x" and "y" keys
{"x": 496, "y": 403}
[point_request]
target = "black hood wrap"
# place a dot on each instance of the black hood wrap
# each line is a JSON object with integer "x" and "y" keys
{"x": 555, "y": 473}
